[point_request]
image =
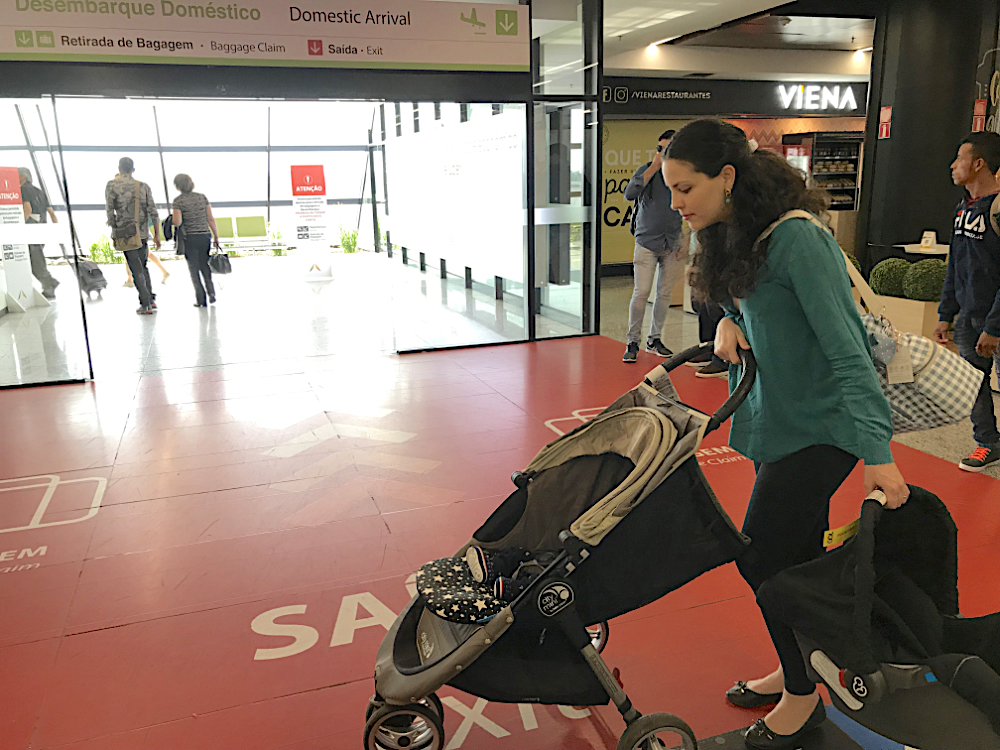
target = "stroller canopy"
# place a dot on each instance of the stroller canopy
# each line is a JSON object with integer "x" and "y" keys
{"x": 637, "y": 442}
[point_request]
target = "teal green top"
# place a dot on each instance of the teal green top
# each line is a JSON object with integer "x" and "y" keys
{"x": 816, "y": 384}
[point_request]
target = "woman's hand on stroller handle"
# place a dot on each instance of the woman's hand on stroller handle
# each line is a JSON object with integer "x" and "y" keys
{"x": 729, "y": 339}
{"x": 886, "y": 479}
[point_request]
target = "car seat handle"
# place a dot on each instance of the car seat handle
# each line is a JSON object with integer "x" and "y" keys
{"x": 879, "y": 497}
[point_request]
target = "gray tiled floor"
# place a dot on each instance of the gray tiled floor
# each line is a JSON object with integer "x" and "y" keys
{"x": 266, "y": 311}
{"x": 681, "y": 331}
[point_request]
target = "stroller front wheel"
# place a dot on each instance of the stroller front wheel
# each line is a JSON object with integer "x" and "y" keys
{"x": 656, "y": 732}
{"x": 375, "y": 703}
{"x": 413, "y": 727}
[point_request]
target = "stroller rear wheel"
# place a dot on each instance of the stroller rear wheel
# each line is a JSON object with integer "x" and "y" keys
{"x": 658, "y": 732}
{"x": 599, "y": 634}
{"x": 412, "y": 727}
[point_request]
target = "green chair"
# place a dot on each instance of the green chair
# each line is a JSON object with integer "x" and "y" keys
{"x": 252, "y": 233}
{"x": 225, "y": 227}
{"x": 251, "y": 227}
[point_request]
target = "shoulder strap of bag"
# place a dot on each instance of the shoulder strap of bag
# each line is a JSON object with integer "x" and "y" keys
{"x": 995, "y": 214}
{"x": 138, "y": 190}
{"x": 797, "y": 213}
{"x": 867, "y": 295}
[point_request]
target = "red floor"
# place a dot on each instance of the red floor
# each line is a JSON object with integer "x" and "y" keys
{"x": 257, "y": 527}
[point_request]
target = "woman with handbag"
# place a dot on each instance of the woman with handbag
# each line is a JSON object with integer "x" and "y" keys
{"x": 816, "y": 407}
{"x": 193, "y": 212}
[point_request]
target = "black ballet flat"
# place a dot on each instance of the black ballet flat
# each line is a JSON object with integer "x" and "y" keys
{"x": 742, "y": 696}
{"x": 759, "y": 737}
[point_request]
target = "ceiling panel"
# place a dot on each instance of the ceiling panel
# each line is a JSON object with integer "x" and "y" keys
{"x": 791, "y": 32}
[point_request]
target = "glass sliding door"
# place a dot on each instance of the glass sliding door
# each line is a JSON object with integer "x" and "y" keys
{"x": 564, "y": 218}
{"x": 455, "y": 206}
{"x": 43, "y": 334}
{"x": 566, "y": 183}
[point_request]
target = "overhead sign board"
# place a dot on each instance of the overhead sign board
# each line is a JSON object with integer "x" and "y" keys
{"x": 671, "y": 97}
{"x": 390, "y": 34}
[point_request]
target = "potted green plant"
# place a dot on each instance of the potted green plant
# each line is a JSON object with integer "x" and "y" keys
{"x": 907, "y": 293}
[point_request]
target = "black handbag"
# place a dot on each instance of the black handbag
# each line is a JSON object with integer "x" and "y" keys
{"x": 219, "y": 263}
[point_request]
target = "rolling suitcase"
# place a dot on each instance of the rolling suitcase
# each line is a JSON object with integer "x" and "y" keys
{"x": 91, "y": 277}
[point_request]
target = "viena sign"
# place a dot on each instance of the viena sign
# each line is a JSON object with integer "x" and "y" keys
{"x": 814, "y": 97}
{"x": 686, "y": 97}
{"x": 400, "y": 34}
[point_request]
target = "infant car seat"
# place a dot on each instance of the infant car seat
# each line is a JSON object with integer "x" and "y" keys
{"x": 878, "y": 622}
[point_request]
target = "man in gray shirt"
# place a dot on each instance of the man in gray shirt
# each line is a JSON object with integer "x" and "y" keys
{"x": 120, "y": 198}
{"x": 657, "y": 246}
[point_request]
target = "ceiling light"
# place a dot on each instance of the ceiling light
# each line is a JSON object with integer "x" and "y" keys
{"x": 652, "y": 50}
{"x": 866, "y": 49}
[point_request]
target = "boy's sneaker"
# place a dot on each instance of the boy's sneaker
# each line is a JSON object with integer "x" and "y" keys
{"x": 980, "y": 458}
{"x": 487, "y": 566}
{"x": 631, "y": 352}
{"x": 507, "y": 589}
{"x": 713, "y": 370}
{"x": 656, "y": 346}
{"x": 144, "y": 310}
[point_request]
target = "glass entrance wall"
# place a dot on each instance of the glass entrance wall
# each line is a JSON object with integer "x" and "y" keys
{"x": 43, "y": 337}
{"x": 492, "y": 201}
{"x": 239, "y": 154}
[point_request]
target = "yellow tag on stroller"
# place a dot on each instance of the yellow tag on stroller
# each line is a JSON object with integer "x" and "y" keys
{"x": 838, "y": 536}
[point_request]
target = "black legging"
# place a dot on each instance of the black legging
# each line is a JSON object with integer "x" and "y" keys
{"x": 196, "y": 249}
{"x": 788, "y": 514}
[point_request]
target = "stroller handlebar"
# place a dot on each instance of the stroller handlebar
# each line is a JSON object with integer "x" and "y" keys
{"x": 739, "y": 394}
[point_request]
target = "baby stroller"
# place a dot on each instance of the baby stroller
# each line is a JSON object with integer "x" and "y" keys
{"x": 619, "y": 499}
{"x": 878, "y": 622}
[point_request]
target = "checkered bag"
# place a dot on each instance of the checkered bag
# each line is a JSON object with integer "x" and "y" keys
{"x": 944, "y": 385}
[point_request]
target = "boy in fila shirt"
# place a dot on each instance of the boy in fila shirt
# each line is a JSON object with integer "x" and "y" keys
{"x": 971, "y": 294}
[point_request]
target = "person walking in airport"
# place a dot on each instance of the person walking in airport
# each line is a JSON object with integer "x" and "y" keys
{"x": 658, "y": 250}
{"x": 816, "y": 407}
{"x": 193, "y": 213}
{"x": 124, "y": 199}
{"x": 971, "y": 294}
{"x": 37, "y": 210}
{"x": 130, "y": 282}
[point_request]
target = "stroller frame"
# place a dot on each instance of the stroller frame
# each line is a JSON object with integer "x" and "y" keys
{"x": 405, "y": 712}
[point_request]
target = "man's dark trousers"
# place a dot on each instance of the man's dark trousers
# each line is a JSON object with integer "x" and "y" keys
{"x": 136, "y": 260}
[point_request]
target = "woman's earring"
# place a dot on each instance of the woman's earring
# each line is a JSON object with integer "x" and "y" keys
{"x": 729, "y": 196}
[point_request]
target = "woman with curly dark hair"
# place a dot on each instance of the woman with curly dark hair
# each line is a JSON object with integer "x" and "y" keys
{"x": 816, "y": 407}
